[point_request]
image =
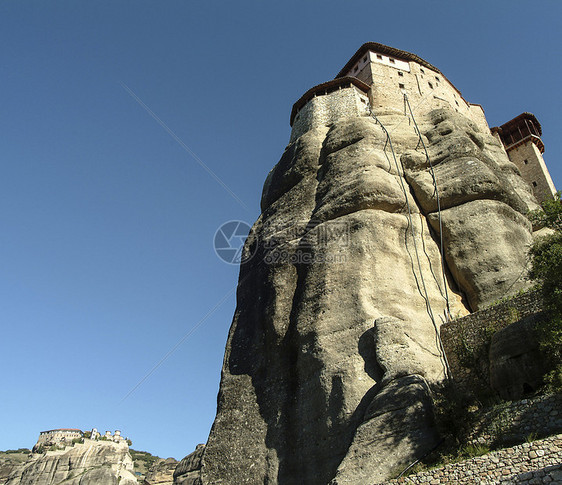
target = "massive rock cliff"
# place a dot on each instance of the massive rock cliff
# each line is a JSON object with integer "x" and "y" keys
{"x": 91, "y": 463}
{"x": 161, "y": 472}
{"x": 188, "y": 470}
{"x": 10, "y": 461}
{"x": 334, "y": 345}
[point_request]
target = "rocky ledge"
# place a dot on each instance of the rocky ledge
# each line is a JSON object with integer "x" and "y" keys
{"x": 90, "y": 463}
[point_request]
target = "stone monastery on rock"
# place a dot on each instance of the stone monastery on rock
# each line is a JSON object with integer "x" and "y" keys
{"x": 378, "y": 76}
{"x": 329, "y": 368}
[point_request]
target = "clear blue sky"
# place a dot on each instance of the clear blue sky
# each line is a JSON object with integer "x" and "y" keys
{"x": 107, "y": 222}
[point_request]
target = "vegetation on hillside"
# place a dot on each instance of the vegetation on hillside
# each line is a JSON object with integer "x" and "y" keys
{"x": 546, "y": 270}
{"x": 19, "y": 450}
{"x": 14, "y": 457}
{"x": 143, "y": 460}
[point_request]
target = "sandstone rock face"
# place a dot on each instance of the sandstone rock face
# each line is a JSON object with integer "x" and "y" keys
{"x": 485, "y": 232}
{"x": 487, "y": 256}
{"x": 398, "y": 424}
{"x": 334, "y": 344}
{"x": 91, "y": 463}
{"x": 188, "y": 470}
{"x": 161, "y": 473}
{"x": 10, "y": 462}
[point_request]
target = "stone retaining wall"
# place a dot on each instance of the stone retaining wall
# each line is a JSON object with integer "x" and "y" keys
{"x": 466, "y": 340}
{"x": 514, "y": 422}
{"x": 530, "y": 463}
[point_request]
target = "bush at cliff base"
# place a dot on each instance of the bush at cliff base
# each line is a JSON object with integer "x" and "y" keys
{"x": 546, "y": 270}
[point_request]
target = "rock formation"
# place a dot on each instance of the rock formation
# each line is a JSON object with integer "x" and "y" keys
{"x": 188, "y": 471}
{"x": 10, "y": 461}
{"x": 91, "y": 463}
{"x": 333, "y": 350}
{"x": 483, "y": 207}
{"x": 161, "y": 472}
{"x": 375, "y": 229}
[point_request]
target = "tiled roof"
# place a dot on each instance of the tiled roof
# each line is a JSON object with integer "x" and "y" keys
{"x": 511, "y": 124}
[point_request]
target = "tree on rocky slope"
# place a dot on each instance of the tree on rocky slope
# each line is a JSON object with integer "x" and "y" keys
{"x": 546, "y": 269}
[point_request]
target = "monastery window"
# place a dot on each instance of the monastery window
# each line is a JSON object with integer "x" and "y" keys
{"x": 400, "y": 73}
{"x": 437, "y": 78}
{"x": 456, "y": 102}
{"x": 365, "y": 59}
{"x": 422, "y": 71}
{"x": 355, "y": 70}
{"x": 379, "y": 56}
{"x": 401, "y": 86}
{"x": 525, "y": 162}
{"x": 430, "y": 85}
{"x": 534, "y": 184}
{"x": 391, "y": 60}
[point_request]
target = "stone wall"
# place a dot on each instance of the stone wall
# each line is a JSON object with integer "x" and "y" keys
{"x": 466, "y": 340}
{"x": 426, "y": 89}
{"x": 514, "y": 422}
{"x": 323, "y": 110}
{"x": 391, "y": 77}
{"x": 530, "y": 463}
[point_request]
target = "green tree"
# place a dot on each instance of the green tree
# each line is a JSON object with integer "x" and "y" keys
{"x": 546, "y": 269}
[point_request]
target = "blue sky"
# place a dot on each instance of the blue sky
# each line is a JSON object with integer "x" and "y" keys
{"x": 107, "y": 222}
